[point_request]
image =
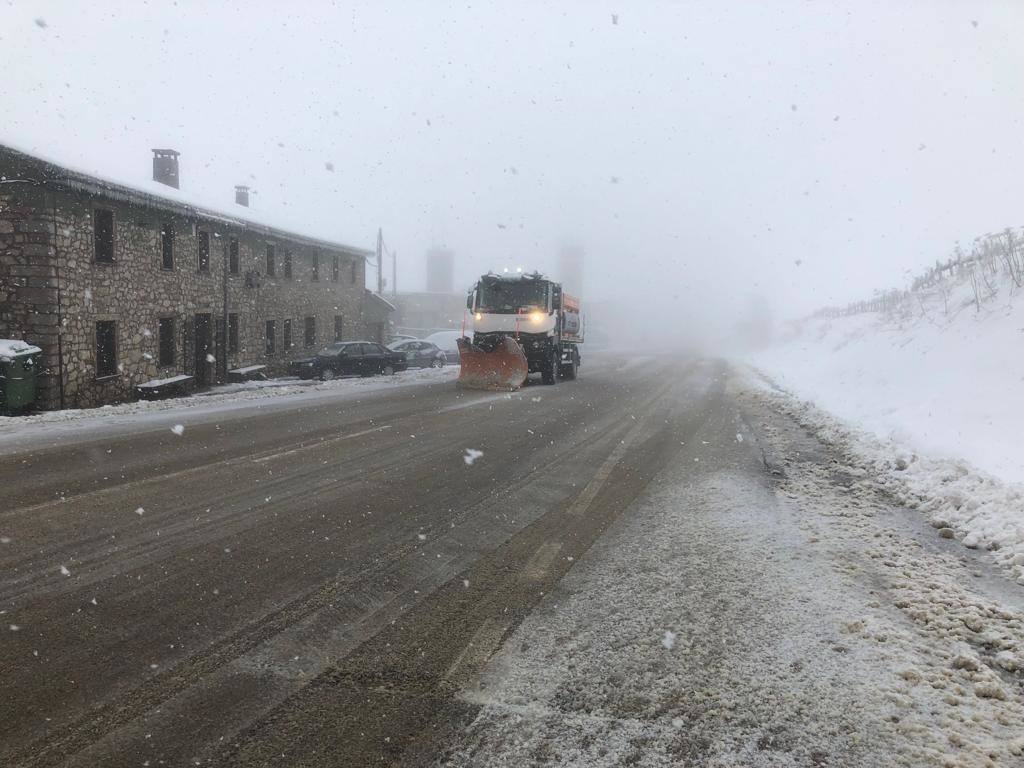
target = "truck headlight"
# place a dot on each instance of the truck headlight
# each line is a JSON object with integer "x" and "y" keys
{"x": 479, "y": 316}
{"x": 536, "y": 317}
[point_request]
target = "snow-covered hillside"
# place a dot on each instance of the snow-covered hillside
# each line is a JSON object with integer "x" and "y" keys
{"x": 949, "y": 386}
{"x": 932, "y": 395}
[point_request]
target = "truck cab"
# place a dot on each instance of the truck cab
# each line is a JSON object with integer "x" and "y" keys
{"x": 534, "y": 311}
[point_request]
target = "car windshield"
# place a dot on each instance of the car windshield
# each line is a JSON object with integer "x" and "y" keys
{"x": 504, "y": 296}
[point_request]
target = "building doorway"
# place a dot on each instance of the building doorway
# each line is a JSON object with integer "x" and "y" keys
{"x": 203, "y": 348}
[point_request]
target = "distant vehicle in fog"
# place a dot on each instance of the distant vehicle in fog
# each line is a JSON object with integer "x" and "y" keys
{"x": 394, "y": 338}
{"x": 445, "y": 340}
{"x": 420, "y": 354}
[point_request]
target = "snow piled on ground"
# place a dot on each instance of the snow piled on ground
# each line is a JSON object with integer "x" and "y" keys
{"x": 223, "y": 397}
{"x": 930, "y": 401}
{"x": 949, "y": 386}
{"x": 961, "y": 502}
{"x": 807, "y": 628}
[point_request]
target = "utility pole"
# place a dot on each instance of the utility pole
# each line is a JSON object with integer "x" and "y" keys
{"x": 380, "y": 262}
{"x": 394, "y": 273}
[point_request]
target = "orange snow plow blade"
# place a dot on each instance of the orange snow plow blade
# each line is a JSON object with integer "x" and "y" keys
{"x": 503, "y": 368}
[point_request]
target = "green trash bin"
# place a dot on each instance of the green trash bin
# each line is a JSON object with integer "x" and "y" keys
{"x": 18, "y": 368}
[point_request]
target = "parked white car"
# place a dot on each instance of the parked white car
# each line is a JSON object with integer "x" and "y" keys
{"x": 445, "y": 340}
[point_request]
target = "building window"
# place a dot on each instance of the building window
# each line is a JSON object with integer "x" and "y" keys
{"x": 233, "y": 255}
{"x": 271, "y": 262}
{"x": 353, "y": 271}
{"x": 314, "y": 260}
{"x": 233, "y": 332}
{"x": 166, "y": 341}
{"x": 310, "y": 331}
{"x": 271, "y": 347}
{"x": 287, "y": 265}
{"x": 339, "y": 322}
{"x": 106, "y": 348}
{"x": 204, "y": 251}
{"x": 286, "y": 335}
{"x": 103, "y": 235}
{"x": 335, "y": 268}
{"x": 167, "y": 245}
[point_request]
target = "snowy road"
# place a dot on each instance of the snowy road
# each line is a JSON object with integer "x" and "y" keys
{"x": 653, "y": 565}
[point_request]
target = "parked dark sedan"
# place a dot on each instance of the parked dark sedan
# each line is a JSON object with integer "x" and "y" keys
{"x": 419, "y": 353}
{"x": 349, "y": 358}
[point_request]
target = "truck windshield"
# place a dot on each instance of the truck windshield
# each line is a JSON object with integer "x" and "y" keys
{"x": 509, "y": 297}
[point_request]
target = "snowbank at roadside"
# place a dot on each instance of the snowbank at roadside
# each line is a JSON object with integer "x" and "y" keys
{"x": 216, "y": 400}
{"x": 949, "y": 385}
{"x": 961, "y": 501}
{"x": 930, "y": 399}
{"x": 721, "y": 621}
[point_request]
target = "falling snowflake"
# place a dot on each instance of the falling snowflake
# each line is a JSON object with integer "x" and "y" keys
{"x": 465, "y": 583}
{"x": 178, "y": 429}
{"x": 329, "y": 166}
{"x": 64, "y": 571}
{"x": 211, "y": 359}
{"x": 41, "y": 23}
{"x": 739, "y": 438}
{"x": 421, "y": 536}
{"x": 5, "y": 539}
{"x": 140, "y": 511}
{"x": 669, "y": 639}
{"x": 93, "y": 601}
{"x": 472, "y": 454}
{"x": 13, "y": 627}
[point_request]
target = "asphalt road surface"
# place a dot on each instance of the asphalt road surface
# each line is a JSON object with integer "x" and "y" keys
{"x": 307, "y": 585}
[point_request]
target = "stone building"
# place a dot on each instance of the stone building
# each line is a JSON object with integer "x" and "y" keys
{"x": 123, "y": 285}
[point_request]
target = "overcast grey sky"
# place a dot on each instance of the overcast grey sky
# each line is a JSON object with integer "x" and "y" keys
{"x": 696, "y": 150}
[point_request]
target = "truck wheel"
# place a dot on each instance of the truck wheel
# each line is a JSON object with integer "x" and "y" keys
{"x": 549, "y": 375}
{"x": 569, "y": 371}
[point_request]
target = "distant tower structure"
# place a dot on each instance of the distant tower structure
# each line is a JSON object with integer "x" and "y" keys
{"x": 440, "y": 271}
{"x": 570, "y": 268}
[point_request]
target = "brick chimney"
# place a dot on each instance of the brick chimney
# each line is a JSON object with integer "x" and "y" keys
{"x": 242, "y": 195}
{"x": 165, "y": 167}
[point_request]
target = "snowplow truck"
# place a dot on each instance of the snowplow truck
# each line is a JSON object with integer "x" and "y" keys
{"x": 522, "y": 324}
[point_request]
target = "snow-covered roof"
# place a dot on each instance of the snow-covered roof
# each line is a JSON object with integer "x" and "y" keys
{"x": 391, "y": 307}
{"x": 153, "y": 194}
{"x": 12, "y": 347}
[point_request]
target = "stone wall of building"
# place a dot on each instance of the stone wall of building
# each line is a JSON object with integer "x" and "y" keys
{"x": 50, "y": 280}
{"x": 28, "y": 276}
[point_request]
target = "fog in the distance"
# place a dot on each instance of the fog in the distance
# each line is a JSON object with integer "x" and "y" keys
{"x": 708, "y": 157}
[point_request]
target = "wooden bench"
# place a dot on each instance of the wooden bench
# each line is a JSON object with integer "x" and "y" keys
{"x": 173, "y": 386}
{"x": 247, "y": 373}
